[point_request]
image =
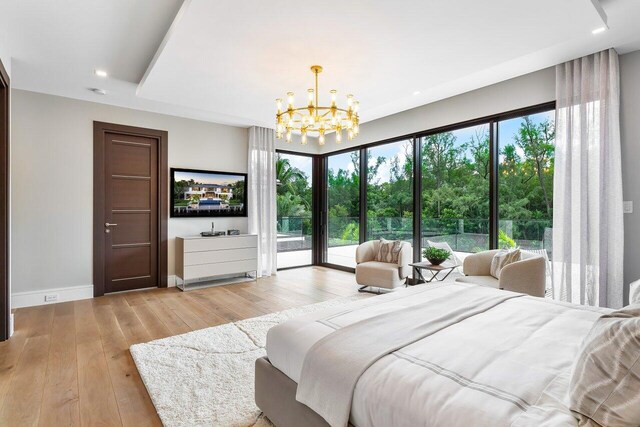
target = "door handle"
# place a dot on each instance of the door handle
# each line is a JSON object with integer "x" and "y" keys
{"x": 106, "y": 224}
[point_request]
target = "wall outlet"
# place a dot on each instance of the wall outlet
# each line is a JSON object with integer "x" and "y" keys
{"x": 627, "y": 206}
{"x": 51, "y": 298}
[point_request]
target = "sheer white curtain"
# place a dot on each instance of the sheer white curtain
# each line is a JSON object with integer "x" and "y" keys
{"x": 588, "y": 227}
{"x": 262, "y": 197}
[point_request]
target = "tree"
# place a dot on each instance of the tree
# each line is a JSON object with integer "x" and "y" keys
{"x": 537, "y": 142}
{"x": 286, "y": 175}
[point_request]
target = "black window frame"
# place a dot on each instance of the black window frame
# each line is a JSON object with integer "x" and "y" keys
{"x": 320, "y": 175}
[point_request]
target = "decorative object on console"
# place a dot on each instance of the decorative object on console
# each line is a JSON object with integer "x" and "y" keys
{"x": 230, "y": 257}
{"x": 317, "y": 119}
{"x": 233, "y": 232}
{"x": 199, "y": 193}
{"x": 213, "y": 232}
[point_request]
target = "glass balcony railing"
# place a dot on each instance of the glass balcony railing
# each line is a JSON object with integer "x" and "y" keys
{"x": 463, "y": 234}
{"x": 294, "y": 233}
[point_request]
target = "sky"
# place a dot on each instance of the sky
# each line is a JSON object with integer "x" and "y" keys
{"x": 303, "y": 163}
{"x": 208, "y": 178}
{"x": 507, "y": 130}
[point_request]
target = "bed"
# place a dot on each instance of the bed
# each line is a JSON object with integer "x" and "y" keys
{"x": 433, "y": 355}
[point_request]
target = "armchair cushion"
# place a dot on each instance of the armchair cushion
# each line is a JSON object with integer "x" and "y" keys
{"x": 378, "y": 274}
{"x": 487, "y": 281}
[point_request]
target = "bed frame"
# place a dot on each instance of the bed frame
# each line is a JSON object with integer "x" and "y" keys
{"x": 276, "y": 397}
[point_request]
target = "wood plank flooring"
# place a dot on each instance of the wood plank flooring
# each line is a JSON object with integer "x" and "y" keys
{"x": 69, "y": 364}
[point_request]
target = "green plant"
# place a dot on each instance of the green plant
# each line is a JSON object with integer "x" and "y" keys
{"x": 436, "y": 255}
{"x": 505, "y": 241}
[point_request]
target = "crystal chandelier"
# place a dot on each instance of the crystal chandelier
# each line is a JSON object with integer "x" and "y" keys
{"x": 315, "y": 118}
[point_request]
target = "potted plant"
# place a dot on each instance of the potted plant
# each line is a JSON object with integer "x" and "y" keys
{"x": 436, "y": 256}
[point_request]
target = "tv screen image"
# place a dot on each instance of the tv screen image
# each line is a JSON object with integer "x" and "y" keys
{"x": 200, "y": 193}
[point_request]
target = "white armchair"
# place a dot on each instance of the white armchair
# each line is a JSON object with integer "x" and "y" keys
{"x": 527, "y": 275}
{"x": 372, "y": 273}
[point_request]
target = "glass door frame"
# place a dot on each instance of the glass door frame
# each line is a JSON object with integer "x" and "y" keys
{"x": 315, "y": 219}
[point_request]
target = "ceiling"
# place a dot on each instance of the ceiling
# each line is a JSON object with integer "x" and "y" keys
{"x": 226, "y": 61}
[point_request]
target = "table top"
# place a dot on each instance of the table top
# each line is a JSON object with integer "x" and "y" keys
{"x": 428, "y": 266}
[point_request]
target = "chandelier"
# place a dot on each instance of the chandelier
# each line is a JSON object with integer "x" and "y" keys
{"x": 315, "y": 118}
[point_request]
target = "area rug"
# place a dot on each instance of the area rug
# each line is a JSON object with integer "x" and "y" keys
{"x": 206, "y": 377}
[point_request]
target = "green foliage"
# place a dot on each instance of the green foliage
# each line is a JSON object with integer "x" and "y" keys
{"x": 351, "y": 233}
{"x": 436, "y": 254}
{"x": 505, "y": 242}
{"x": 455, "y": 188}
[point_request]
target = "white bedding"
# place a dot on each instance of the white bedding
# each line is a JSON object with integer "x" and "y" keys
{"x": 508, "y": 366}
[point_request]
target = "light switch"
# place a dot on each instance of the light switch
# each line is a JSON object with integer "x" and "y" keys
{"x": 627, "y": 206}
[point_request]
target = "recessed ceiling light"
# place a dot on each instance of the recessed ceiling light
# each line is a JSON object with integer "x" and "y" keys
{"x": 98, "y": 91}
{"x": 599, "y": 30}
{"x": 416, "y": 92}
{"x": 100, "y": 73}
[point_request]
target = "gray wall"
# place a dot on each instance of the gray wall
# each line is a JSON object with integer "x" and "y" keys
{"x": 630, "y": 135}
{"x": 5, "y": 54}
{"x": 52, "y": 175}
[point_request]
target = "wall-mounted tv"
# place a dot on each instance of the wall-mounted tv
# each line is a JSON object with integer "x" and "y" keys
{"x": 200, "y": 193}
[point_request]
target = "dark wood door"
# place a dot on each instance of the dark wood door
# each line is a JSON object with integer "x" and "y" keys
{"x": 130, "y": 212}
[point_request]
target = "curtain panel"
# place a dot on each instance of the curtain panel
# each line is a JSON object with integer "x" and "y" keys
{"x": 262, "y": 197}
{"x": 588, "y": 227}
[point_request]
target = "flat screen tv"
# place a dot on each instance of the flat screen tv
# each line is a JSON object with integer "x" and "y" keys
{"x": 200, "y": 193}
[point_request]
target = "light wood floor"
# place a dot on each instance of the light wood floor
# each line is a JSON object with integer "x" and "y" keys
{"x": 69, "y": 364}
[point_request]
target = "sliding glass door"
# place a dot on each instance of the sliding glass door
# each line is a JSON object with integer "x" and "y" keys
{"x": 525, "y": 178}
{"x": 390, "y": 191}
{"x": 343, "y": 208}
{"x": 485, "y": 185}
{"x": 294, "y": 201}
{"x": 455, "y": 189}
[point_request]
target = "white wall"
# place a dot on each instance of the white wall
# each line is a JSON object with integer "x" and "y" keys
{"x": 52, "y": 175}
{"x": 5, "y": 51}
{"x": 630, "y": 135}
{"x": 520, "y": 92}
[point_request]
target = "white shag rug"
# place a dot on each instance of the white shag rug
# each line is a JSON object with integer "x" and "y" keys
{"x": 206, "y": 377}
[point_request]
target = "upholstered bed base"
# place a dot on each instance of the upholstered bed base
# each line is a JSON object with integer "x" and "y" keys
{"x": 276, "y": 397}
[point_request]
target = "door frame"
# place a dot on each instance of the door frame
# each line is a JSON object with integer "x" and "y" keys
{"x": 5, "y": 217}
{"x": 99, "y": 131}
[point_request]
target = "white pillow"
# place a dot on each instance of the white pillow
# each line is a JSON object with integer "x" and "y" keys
{"x": 605, "y": 383}
{"x": 634, "y": 292}
{"x": 503, "y": 258}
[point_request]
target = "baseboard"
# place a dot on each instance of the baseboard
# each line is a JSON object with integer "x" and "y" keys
{"x": 32, "y": 298}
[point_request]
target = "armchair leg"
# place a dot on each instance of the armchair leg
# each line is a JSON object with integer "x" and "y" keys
{"x": 370, "y": 291}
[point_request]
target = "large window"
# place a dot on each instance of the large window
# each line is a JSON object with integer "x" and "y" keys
{"x": 525, "y": 178}
{"x": 390, "y": 191}
{"x": 455, "y": 188}
{"x": 343, "y": 208}
{"x": 483, "y": 185}
{"x": 294, "y": 200}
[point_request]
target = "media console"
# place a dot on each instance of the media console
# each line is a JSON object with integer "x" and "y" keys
{"x": 220, "y": 257}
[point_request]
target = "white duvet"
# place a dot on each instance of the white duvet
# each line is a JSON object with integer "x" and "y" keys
{"x": 509, "y": 366}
